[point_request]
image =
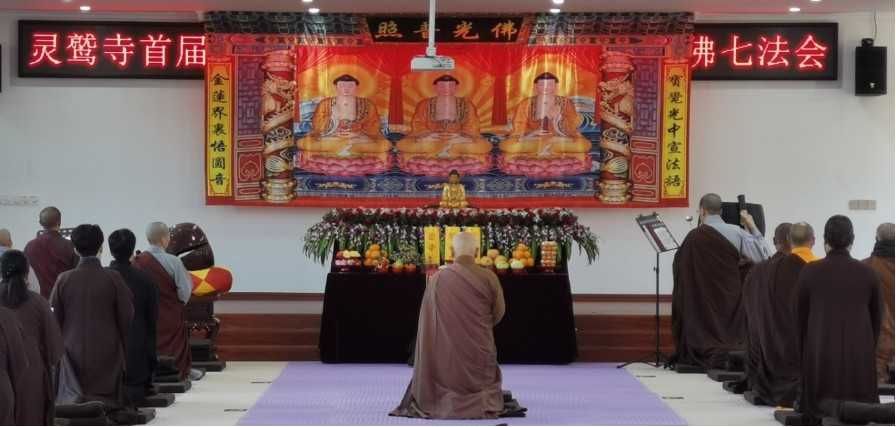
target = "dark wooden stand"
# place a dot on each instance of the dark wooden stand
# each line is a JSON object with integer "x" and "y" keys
{"x": 203, "y": 327}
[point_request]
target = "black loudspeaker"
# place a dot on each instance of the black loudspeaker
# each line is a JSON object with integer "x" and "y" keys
{"x": 871, "y": 69}
{"x": 731, "y": 214}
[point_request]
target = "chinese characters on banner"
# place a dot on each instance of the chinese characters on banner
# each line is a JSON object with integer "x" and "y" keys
{"x": 220, "y": 132}
{"x": 111, "y": 49}
{"x": 675, "y": 130}
{"x": 457, "y": 30}
{"x": 764, "y": 52}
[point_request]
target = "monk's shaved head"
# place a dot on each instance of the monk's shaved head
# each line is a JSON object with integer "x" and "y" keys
{"x": 711, "y": 203}
{"x": 802, "y": 234}
{"x": 886, "y": 232}
{"x": 157, "y": 233}
{"x": 782, "y": 237}
{"x": 5, "y": 238}
{"x": 50, "y": 218}
{"x": 465, "y": 243}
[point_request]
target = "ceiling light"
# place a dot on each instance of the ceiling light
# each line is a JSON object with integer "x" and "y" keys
{"x": 307, "y": 1}
{"x": 554, "y": 10}
{"x": 558, "y": 1}
{"x": 314, "y": 11}
{"x": 815, "y": 1}
{"x": 66, "y": 1}
{"x": 85, "y": 8}
{"x": 794, "y": 9}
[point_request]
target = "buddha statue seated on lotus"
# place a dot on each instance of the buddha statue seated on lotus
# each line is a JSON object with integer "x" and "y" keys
{"x": 345, "y": 136}
{"x": 444, "y": 135}
{"x": 545, "y": 140}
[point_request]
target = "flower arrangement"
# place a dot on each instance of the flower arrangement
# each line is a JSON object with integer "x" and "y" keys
{"x": 502, "y": 229}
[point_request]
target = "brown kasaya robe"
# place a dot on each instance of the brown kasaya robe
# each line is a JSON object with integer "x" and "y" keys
{"x": 172, "y": 338}
{"x": 839, "y": 314}
{"x": 707, "y": 307}
{"x": 13, "y": 365}
{"x": 773, "y": 357}
{"x": 49, "y": 255}
{"x": 883, "y": 266}
{"x": 456, "y": 373}
{"x": 43, "y": 345}
{"x": 93, "y": 307}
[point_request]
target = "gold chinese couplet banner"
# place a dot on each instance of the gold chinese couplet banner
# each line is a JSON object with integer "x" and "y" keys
{"x": 450, "y": 232}
{"x": 676, "y": 82}
{"x": 432, "y": 254}
{"x": 219, "y": 139}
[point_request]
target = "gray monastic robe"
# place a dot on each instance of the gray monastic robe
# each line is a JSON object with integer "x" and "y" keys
{"x": 456, "y": 373}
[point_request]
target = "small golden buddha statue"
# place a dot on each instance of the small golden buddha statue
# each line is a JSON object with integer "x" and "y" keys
{"x": 453, "y": 194}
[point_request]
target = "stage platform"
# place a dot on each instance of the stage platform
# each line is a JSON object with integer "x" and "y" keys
{"x": 286, "y": 327}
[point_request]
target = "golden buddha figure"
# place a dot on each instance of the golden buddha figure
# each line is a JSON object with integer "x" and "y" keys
{"x": 445, "y": 126}
{"x": 346, "y": 125}
{"x": 545, "y": 125}
{"x": 454, "y": 196}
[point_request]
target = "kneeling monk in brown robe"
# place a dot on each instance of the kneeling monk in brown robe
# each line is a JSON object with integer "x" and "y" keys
{"x": 707, "y": 310}
{"x": 839, "y": 315}
{"x": 773, "y": 356}
{"x": 456, "y": 373}
{"x": 175, "y": 287}
{"x": 94, "y": 310}
{"x": 881, "y": 261}
{"x": 43, "y": 341}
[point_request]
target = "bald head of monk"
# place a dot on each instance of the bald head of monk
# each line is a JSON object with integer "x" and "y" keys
{"x": 5, "y": 238}
{"x": 50, "y": 218}
{"x": 886, "y": 232}
{"x": 782, "y": 237}
{"x": 465, "y": 244}
{"x": 158, "y": 234}
{"x": 710, "y": 204}
{"x": 802, "y": 235}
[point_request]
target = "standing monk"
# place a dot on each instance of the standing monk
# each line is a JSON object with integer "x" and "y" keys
{"x": 707, "y": 311}
{"x": 42, "y": 339}
{"x": 456, "y": 373}
{"x": 881, "y": 261}
{"x": 141, "y": 356}
{"x": 93, "y": 307}
{"x": 175, "y": 286}
{"x": 839, "y": 316}
{"x": 50, "y": 254}
{"x": 770, "y": 293}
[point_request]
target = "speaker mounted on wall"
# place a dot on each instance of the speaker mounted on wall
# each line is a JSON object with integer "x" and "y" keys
{"x": 871, "y": 69}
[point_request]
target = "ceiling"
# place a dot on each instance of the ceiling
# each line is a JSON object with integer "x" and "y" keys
{"x": 454, "y": 6}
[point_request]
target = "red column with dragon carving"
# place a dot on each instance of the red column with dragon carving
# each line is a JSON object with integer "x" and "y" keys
{"x": 616, "y": 110}
{"x": 277, "y": 111}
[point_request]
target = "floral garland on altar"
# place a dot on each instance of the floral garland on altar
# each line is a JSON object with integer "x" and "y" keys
{"x": 501, "y": 229}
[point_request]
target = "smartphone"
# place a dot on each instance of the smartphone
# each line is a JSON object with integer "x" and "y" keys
{"x": 741, "y": 206}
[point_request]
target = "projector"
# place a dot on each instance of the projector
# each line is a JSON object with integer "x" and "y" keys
{"x": 432, "y": 63}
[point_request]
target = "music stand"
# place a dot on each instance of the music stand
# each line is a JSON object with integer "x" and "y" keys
{"x": 656, "y": 232}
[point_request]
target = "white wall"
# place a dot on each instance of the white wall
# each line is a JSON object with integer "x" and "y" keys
{"x": 124, "y": 153}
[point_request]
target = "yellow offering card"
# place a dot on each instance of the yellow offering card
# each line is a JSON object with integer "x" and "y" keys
{"x": 449, "y": 236}
{"x": 431, "y": 246}
{"x": 478, "y": 233}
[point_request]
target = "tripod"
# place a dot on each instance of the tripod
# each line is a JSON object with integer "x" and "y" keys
{"x": 663, "y": 241}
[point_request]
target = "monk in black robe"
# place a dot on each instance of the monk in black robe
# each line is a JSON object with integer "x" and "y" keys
{"x": 42, "y": 339}
{"x": 881, "y": 261}
{"x": 708, "y": 270}
{"x": 772, "y": 362}
{"x": 13, "y": 365}
{"x": 141, "y": 344}
{"x": 839, "y": 316}
{"x": 50, "y": 254}
{"x": 93, "y": 307}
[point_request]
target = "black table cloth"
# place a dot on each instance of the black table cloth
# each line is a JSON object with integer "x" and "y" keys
{"x": 370, "y": 317}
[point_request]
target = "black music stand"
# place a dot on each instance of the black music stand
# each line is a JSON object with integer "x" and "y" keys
{"x": 662, "y": 241}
